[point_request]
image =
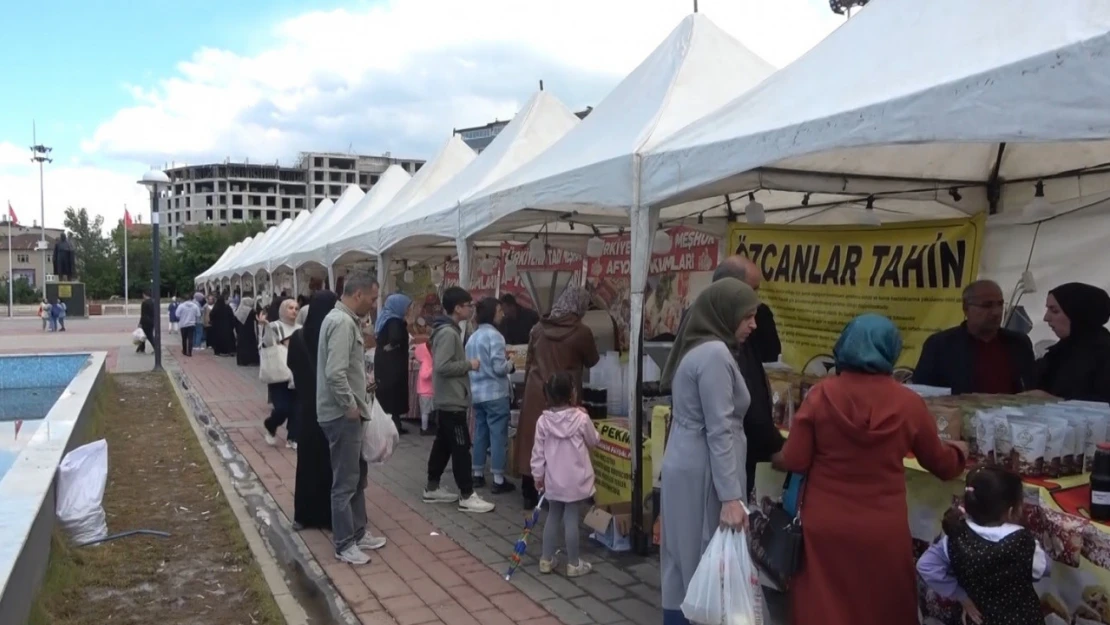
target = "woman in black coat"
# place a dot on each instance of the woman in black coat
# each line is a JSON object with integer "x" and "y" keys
{"x": 312, "y": 490}
{"x": 1078, "y": 366}
{"x": 391, "y": 358}
{"x": 246, "y": 333}
{"x": 221, "y": 328}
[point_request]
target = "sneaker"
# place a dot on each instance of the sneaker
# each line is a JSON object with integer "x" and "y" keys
{"x": 270, "y": 439}
{"x": 479, "y": 481}
{"x": 371, "y": 542}
{"x": 475, "y": 504}
{"x": 439, "y": 495}
{"x": 352, "y": 555}
{"x": 500, "y": 488}
{"x": 581, "y": 569}
{"x": 546, "y": 566}
{"x": 291, "y": 445}
{"x": 428, "y": 431}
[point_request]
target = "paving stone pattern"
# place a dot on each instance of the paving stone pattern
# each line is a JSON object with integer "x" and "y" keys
{"x": 441, "y": 565}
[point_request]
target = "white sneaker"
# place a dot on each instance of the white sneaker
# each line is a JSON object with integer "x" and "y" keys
{"x": 371, "y": 542}
{"x": 291, "y": 445}
{"x": 439, "y": 495}
{"x": 475, "y": 504}
{"x": 270, "y": 440}
{"x": 352, "y": 555}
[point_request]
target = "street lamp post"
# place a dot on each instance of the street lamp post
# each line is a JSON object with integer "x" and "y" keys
{"x": 40, "y": 154}
{"x": 156, "y": 181}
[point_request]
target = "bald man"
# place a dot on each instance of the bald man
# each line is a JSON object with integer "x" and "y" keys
{"x": 765, "y": 339}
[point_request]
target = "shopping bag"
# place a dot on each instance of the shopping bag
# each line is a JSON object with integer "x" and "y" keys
{"x": 379, "y": 436}
{"x": 271, "y": 366}
{"x": 725, "y": 587}
{"x": 138, "y": 337}
{"x": 776, "y": 530}
{"x": 82, "y": 477}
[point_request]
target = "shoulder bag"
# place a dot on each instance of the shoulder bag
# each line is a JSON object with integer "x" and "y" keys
{"x": 272, "y": 367}
{"x": 776, "y": 535}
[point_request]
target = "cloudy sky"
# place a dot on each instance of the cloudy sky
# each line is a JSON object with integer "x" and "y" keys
{"x": 115, "y": 91}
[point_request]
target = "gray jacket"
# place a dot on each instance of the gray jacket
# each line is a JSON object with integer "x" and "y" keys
{"x": 450, "y": 368}
{"x": 341, "y": 370}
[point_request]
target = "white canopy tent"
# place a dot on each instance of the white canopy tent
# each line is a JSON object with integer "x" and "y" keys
{"x": 539, "y": 124}
{"x": 216, "y": 271}
{"x": 321, "y": 219}
{"x": 255, "y": 260}
{"x": 203, "y": 276}
{"x": 362, "y": 239}
{"x": 234, "y": 264}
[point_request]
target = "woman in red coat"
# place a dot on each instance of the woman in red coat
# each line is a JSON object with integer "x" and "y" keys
{"x": 849, "y": 437}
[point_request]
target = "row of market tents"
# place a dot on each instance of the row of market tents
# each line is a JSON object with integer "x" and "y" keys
{"x": 909, "y": 111}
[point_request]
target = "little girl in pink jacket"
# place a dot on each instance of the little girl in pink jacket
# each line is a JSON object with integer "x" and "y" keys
{"x": 424, "y": 390}
{"x": 562, "y": 469}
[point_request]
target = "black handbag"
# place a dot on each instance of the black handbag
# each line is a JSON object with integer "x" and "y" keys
{"x": 776, "y": 544}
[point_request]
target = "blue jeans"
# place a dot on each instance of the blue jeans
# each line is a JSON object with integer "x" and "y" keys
{"x": 491, "y": 432}
{"x": 198, "y": 335}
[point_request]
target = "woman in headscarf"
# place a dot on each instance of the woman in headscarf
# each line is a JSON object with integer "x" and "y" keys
{"x": 559, "y": 342}
{"x": 221, "y": 328}
{"x": 246, "y": 333}
{"x": 849, "y": 437}
{"x": 704, "y": 475}
{"x": 391, "y": 357}
{"x": 1078, "y": 366}
{"x": 282, "y": 394}
{"x": 312, "y": 492}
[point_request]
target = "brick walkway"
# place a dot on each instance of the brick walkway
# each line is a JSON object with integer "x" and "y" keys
{"x": 441, "y": 565}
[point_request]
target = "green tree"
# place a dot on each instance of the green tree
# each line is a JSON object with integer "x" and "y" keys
{"x": 97, "y": 263}
{"x": 140, "y": 260}
{"x": 22, "y": 291}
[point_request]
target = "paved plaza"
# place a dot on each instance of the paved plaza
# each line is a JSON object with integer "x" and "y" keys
{"x": 440, "y": 566}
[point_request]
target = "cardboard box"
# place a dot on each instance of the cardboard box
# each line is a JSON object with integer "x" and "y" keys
{"x": 611, "y": 525}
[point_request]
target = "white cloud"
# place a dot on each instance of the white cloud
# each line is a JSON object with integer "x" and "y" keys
{"x": 397, "y": 76}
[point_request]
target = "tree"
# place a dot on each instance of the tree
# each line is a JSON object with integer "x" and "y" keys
{"x": 22, "y": 291}
{"x": 140, "y": 260}
{"x": 97, "y": 265}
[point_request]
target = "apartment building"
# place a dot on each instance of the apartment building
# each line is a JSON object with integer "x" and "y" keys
{"x": 224, "y": 193}
{"x": 26, "y": 254}
{"x": 479, "y": 137}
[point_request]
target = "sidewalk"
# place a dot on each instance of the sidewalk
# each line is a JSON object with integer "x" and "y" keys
{"x": 441, "y": 565}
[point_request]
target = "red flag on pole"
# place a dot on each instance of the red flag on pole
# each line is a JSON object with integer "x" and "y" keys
{"x": 11, "y": 214}
{"x": 127, "y": 223}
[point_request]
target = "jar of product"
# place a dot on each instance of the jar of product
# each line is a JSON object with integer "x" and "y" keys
{"x": 1100, "y": 484}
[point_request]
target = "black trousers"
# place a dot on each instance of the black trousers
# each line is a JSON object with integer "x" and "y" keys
{"x": 148, "y": 332}
{"x": 284, "y": 411}
{"x": 452, "y": 443}
{"x": 187, "y": 340}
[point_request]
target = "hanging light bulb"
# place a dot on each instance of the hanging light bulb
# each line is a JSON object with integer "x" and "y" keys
{"x": 408, "y": 275}
{"x": 488, "y": 265}
{"x": 510, "y": 269}
{"x": 1039, "y": 207}
{"x": 661, "y": 244}
{"x": 754, "y": 211}
{"x": 437, "y": 275}
{"x": 595, "y": 247}
{"x": 537, "y": 250}
{"x": 870, "y": 217}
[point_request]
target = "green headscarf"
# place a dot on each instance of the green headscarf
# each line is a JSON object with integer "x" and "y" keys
{"x": 870, "y": 343}
{"x": 715, "y": 315}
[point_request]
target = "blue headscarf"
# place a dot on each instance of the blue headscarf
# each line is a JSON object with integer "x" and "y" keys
{"x": 396, "y": 307}
{"x": 870, "y": 343}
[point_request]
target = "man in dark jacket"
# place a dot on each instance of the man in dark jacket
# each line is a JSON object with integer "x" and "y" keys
{"x": 979, "y": 355}
{"x": 517, "y": 321}
{"x": 147, "y": 315}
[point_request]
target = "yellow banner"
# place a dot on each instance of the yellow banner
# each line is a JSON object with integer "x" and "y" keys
{"x": 817, "y": 278}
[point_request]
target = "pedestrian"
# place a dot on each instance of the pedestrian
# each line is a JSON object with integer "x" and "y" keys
{"x": 60, "y": 314}
{"x": 341, "y": 407}
{"x": 187, "y": 314}
{"x": 391, "y": 358}
{"x": 562, "y": 470}
{"x": 283, "y": 398}
{"x": 146, "y": 323}
{"x": 44, "y": 314}
{"x": 173, "y": 315}
{"x": 451, "y": 401}
{"x": 490, "y": 388}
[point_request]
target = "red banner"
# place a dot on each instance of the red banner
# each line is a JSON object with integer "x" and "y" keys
{"x": 518, "y": 255}
{"x": 674, "y": 279}
{"x": 482, "y": 283}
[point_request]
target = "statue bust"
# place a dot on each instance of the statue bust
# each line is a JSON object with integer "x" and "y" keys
{"x": 65, "y": 259}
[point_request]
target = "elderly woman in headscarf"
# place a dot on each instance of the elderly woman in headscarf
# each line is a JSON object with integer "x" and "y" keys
{"x": 849, "y": 438}
{"x": 391, "y": 357}
{"x": 246, "y": 333}
{"x": 312, "y": 491}
{"x": 704, "y": 475}
{"x": 559, "y": 342}
{"x": 1078, "y": 366}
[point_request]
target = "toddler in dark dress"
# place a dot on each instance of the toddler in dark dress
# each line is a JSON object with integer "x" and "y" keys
{"x": 987, "y": 561}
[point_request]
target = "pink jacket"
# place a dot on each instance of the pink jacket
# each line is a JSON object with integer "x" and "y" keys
{"x": 561, "y": 455}
{"x": 424, "y": 380}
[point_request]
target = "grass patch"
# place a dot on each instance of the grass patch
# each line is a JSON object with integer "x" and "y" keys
{"x": 158, "y": 478}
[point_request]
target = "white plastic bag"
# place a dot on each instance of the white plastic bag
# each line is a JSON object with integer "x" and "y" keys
{"x": 82, "y": 476}
{"x": 379, "y": 436}
{"x": 725, "y": 588}
{"x": 138, "y": 337}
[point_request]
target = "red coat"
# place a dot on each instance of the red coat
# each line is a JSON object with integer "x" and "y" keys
{"x": 850, "y": 436}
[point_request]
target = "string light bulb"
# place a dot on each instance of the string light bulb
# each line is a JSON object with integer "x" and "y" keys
{"x": 754, "y": 211}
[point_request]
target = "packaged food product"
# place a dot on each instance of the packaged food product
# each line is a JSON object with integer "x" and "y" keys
{"x": 782, "y": 400}
{"x": 1003, "y": 442}
{"x": 949, "y": 420}
{"x": 984, "y": 424}
{"x": 1056, "y": 437}
{"x": 1029, "y": 441}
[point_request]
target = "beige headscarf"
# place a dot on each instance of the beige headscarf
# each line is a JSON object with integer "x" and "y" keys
{"x": 715, "y": 315}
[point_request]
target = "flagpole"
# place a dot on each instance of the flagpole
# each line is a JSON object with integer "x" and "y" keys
{"x": 11, "y": 267}
{"x": 126, "y": 290}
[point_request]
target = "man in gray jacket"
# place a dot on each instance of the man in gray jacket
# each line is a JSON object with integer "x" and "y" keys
{"x": 341, "y": 407}
{"x": 451, "y": 402}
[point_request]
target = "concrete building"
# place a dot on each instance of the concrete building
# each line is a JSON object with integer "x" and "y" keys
{"x": 26, "y": 257}
{"x": 224, "y": 193}
{"x": 479, "y": 137}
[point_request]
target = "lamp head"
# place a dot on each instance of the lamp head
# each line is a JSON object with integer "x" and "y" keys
{"x": 155, "y": 179}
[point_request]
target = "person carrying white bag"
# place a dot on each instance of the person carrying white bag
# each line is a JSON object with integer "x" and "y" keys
{"x": 725, "y": 588}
